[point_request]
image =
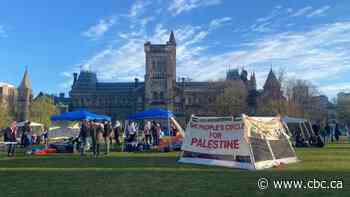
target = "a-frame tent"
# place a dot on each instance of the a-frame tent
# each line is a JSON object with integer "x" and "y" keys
{"x": 249, "y": 143}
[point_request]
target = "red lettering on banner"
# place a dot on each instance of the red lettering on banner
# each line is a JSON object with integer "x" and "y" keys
{"x": 218, "y": 127}
{"x": 194, "y": 140}
{"x": 215, "y": 135}
{"x": 236, "y": 142}
{"x": 215, "y": 143}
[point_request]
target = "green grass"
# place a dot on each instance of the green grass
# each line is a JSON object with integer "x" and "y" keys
{"x": 158, "y": 174}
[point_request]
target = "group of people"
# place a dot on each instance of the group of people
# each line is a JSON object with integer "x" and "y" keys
{"x": 93, "y": 134}
{"x": 330, "y": 133}
{"x": 99, "y": 133}
{"x": 151, "y": 133}
{"x": 27, "y": 138}
{"x": 151, "y": 130}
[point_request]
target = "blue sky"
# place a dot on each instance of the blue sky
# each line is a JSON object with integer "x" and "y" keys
{"x": 309, "y": 39}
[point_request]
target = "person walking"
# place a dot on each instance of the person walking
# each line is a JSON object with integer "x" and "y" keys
{"x": 10, "y": 139}
{"x": 106, "y": 135}
{"x": 84, "y": 129}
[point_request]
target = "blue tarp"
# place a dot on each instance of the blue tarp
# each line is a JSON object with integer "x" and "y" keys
{"x": 154, "y": 113}
{"x": 80, "y": 115}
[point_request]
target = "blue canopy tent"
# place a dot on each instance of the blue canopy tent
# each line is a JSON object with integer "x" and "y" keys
{"x": 79, "y": 115}
{"x": 154, "y": 113}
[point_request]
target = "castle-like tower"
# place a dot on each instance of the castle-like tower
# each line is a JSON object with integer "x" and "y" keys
{"x": 160, "y": 78}
{"x": 272, "y": 87}
{"x": 24, "y": 98}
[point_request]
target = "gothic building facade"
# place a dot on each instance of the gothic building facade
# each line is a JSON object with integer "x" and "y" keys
{"x": 159, "y": 88}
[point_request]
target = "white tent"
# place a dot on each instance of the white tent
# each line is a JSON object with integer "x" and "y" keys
{"x": 32, "y": 124}
{"x": 64, "y": 131}
{"x": 299, "y": 126}
{"x": 250, "y": 143}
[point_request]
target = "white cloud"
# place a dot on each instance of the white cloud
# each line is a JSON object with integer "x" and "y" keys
{"x": 262, "y": 27}
{"x": 321, "y": 52}
{"x": 179, "y": 6}
{"x": 333, "y": 89}
{"x": 289, "y": 10}
{"x": 302, "y": 11}
{"x": 318, "y": 12}
{"x": 118, "y": 63}
{"x": 138, "y": 8}
{"x": 96, "y": 31}
{"x": 216, "y": 23}
{"x": 3, "y": 33}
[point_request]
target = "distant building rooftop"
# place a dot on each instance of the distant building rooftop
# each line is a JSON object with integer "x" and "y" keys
{"x": 2, "y": 84}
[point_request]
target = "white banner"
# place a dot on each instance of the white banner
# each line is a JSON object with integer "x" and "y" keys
{"x": 216, "y": 138}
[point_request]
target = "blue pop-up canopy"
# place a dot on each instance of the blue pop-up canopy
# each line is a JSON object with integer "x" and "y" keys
{"x": 79, "y": 115}
{"x": 154, "y": 113}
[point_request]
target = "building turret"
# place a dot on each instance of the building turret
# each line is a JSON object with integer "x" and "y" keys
{"x": 272, "y": 87}
{"x": 252, "y": 81}
{"x": 272, "y": 81}
{"x": 160, "y": 77}
{"x": 171, "y": 39}
{"x": 244, "y": 75}
{"x": 24, "y": 98}
{"x": 232, "y": 74}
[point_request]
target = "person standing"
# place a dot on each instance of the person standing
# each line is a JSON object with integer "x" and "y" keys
{"x": 106, "y": 135}
{"x": 99, "y": 138}
{"x": 28, "y": 139}
{"x": 45, "y": 137}
{"x": 84, "y": 129}
{"x": 147, "y": 132}
{"x": 336, "y": 132}
{"x": 93, "y": 135}
{"x": 158, "y": 131}
{"x": 327, "y": 128}
{"x": 154, "y": 133}
{"x": 10, "y": 139}
{"x": 117, "y": 130}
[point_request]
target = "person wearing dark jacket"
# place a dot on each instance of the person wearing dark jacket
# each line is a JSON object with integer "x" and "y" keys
{"x": 327, "y": 128}
{"x": 337, "y": 132}
{"x": 84, "y": 130}
{"x": 10, "y": 139}
{"x": 28, "y": 139}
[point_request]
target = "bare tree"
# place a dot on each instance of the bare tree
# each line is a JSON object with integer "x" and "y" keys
{"x": 232, "y": 101}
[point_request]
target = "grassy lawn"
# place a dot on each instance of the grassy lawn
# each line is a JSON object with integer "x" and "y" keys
{"x": 158, "y": 174}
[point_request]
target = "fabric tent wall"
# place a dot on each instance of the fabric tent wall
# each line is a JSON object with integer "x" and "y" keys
{"x": 253, "y": 143}
{"x": 299, "y": 125}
